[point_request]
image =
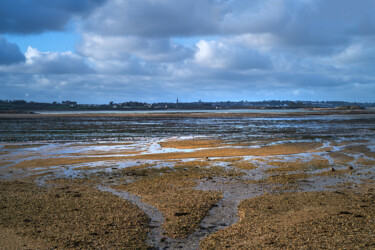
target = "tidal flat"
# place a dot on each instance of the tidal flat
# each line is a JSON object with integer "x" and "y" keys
{"x": 190, "y": 181}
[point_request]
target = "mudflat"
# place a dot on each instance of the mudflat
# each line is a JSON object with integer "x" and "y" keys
{"x": 195, "y": 181}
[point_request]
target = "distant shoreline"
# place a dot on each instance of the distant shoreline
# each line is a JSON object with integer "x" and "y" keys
{"x": 197, "y": 113}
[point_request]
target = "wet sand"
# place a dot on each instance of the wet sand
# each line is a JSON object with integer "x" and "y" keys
{"x": 190, "y": 192}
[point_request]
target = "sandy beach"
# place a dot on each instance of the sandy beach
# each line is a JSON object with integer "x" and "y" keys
{"x": 191, "y": 181}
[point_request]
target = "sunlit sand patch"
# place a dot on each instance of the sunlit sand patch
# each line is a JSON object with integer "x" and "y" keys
{"x": 315, "y": 220}
{"x": 228, "y": 159}
{"x": 193, "y": 163}
{"x": 60, "y": 161}
{"x": 17, "y": 156}
{"x": 2, "y": 164}
{"x": 365, "y": 162}
{"x": 244, "y": 165}
{"x": 71, "y": 216}
{"x": 288, "y": 166}
{"x": 104, "y": 153}
{"x": 22, "y": 146}
{"x": 334, "y": 172}
{"x": 362, "y": 149}
{"x": 283, "y": 178}
{"x": 324, "y": 149}
{"x": 341, "y": 158}
{"x": 263, "y": 159}
{"x": 191, "y": 143}
{"x": 279, "y": 149}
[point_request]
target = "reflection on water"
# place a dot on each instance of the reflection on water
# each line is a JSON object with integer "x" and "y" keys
{"x": 230, "y": 128}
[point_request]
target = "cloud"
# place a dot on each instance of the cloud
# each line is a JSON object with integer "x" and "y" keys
{"x": 36, "y": 16}
{"x": 120, "y": 47}
{"x": 302, "y": 23}
{"x": 38, "y": 62}
{"x": 9, "y": 53}
{"x": 157, "y": 18}
{"x": 290, "y": 22}
{"x": 219, "y": 55}
{"x": 359, "y": 53}
{"x": 54, "y": 62}
{"x": 156, "y": 50}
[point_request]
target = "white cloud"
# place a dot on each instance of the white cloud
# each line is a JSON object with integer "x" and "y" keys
{"x": 213, "y": 54}
{"x": 38, "y": 62}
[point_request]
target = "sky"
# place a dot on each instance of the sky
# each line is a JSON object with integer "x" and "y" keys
{"x": 97, "y": 51}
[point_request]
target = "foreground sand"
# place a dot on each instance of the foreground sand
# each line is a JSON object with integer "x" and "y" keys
{"x": 337, "y": 219}
{"x": 194, "y": 193}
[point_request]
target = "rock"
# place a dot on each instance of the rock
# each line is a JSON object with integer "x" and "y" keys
{"x": 181, "y": 214}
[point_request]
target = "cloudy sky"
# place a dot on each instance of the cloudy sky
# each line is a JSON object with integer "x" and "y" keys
{"x": 96, "y": 51}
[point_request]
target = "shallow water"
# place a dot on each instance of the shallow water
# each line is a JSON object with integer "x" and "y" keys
{"x": 78, "y": 129}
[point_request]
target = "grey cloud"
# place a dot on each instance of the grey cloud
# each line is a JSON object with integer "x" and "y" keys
{"x": 292, "y": 22}
{"x": 36, "y": 16}
{"x": 303, "y": 23}
{"x": 121, "y": 47}
{"x": 361, "y": 54}
{"x": 9, "y": 53}
{"x": 131, "y": 66}
{"x": 209, "y": 85}
{"x": 152, "y": 18}
{"x": 261, "y": 49}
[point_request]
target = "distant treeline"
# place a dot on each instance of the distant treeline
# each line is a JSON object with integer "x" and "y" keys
{"x": 18, "y": 105}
